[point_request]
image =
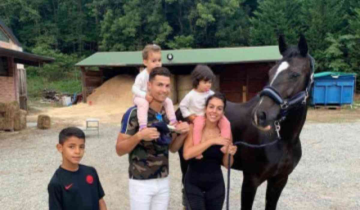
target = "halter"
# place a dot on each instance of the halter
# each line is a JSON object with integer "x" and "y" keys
{"x": 286, "y": 104}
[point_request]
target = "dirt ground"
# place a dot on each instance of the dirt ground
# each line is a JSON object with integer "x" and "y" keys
{"x": 325, "y": 179}
{"x": 329, "y": 137}
{"x": 333, "y": 115}
{"x": 112, "y": 114}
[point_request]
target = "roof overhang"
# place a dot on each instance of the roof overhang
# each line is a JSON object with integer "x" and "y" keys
{"x": 209, "y": 56}
{"x": 25, "y": 58}
{"x": 10, "y": 33}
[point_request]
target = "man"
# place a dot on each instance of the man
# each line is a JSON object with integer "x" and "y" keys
{"x": 148, "y": 157}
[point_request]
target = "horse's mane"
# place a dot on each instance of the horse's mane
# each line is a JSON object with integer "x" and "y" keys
{"x": 253, "y": 100}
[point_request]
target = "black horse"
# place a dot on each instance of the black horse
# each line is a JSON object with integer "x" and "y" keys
{"x": 267, "y": 128}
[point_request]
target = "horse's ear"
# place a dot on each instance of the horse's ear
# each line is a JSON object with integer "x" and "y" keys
{"x": 282, "y": 44}
{"x": 303, "y": 47}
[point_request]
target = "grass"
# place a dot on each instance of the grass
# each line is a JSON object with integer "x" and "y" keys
{"x": 37, "y": 84}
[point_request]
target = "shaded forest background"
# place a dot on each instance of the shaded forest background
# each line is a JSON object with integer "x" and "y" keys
{"x": 70, "y": 30}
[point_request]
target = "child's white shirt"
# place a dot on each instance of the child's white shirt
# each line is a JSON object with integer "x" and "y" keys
{"x": 194, "y": 103}
{"x": 139, "y": 88}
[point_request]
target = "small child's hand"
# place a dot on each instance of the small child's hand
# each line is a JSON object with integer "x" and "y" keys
{"x": 192, "y": 118}
{"x": 149, "y": 98}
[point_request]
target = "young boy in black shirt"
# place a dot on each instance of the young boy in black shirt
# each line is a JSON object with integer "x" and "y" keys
{"x": 74, "y": 186}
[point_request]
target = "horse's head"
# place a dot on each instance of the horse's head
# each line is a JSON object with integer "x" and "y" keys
{"x": 288, "y": 82}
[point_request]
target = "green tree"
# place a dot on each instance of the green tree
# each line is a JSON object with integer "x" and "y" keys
{"x": 67, "y": 25}
{"x": 176, "y": 24}
{"x": 136, "y": 27}
{"x": 343, "y": 53}
{"x": 322, "y": 19}
{"x": 220, "y": 23}
{"x": 181, "y": 42}
{"x": 273, "y": 18}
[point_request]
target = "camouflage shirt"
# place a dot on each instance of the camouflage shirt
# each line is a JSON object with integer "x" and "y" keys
{"x": 148, "y": 160}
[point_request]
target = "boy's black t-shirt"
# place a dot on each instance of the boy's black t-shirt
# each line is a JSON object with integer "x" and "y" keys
{"x": 75, "y": 190}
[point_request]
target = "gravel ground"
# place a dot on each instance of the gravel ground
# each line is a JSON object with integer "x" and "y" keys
{"x": 327, "y": 176}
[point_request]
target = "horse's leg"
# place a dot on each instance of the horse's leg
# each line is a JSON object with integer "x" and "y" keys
{"x": 248, "y": 191}
{"x": 274, "y": 188}
{"x": 183, "y": 165}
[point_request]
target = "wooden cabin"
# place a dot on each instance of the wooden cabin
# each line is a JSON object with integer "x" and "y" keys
{"x": 12, "y": 71}
{"x": 241, "y": 71}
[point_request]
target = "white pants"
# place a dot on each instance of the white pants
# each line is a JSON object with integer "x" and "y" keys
{"x": 152, "y": 194}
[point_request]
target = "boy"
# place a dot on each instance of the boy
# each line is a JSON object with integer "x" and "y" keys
{"x": 193, "y": 105}
{"x": 74, "y": 186}
{"x": 151, "y": 59}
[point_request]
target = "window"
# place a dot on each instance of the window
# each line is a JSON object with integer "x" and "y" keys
{"x": 4, "y": 66}
{"x": 3, "y": 36}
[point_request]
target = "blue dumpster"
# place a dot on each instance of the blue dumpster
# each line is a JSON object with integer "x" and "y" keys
{"x": 333, "y": 88}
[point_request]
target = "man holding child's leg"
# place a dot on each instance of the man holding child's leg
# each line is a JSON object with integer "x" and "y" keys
{"x": 148, "y": 148}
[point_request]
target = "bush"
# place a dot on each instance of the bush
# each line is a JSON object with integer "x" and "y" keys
{"x": 61, "y": 75}
{"x": 37, "y": 84}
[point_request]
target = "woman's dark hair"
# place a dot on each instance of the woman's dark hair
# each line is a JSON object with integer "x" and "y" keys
{"x": 216, "y": 95}
{"x": 201, "y": 72}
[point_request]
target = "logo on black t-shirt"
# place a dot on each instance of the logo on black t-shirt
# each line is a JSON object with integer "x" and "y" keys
{"x": 67, "y": 187}
{"x": 89, "y": 179}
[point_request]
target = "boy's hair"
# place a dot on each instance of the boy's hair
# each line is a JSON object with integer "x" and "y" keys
{"x": 150, "y": 48}
{"x": 159, "y": 71}
{"x": 69, "y": 132}
{"x": 217, "y": 95}
{"x": 201, "y": 72}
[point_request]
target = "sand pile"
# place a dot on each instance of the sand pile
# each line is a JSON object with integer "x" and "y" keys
{"x": 116, "y": 91}
{"x": 107, "y": 103}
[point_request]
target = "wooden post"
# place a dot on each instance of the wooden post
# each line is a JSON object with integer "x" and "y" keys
{"x": 22, "y": 88}
{"x": 101, "y": 75}
{"x": 83, "y": 84}
{"x": 244, "y": 92}
{"x": 14, "y": 74}
{"x": 247, "y": 84}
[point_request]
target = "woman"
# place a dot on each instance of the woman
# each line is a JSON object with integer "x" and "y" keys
{"x": 204, "y": 182}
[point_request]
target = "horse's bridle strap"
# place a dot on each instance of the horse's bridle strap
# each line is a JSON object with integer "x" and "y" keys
{"x": 297, "y": 98}
{"x": 273, "y": 94}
